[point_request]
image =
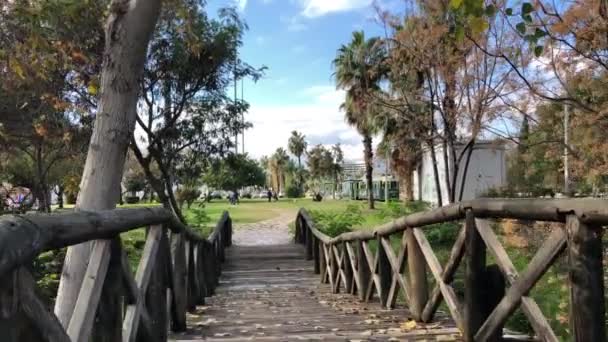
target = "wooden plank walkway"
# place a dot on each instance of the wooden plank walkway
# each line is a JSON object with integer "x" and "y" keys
{"x": 270, "y": 293}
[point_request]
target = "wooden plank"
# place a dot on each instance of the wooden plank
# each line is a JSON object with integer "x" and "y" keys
{"x": 539, "y": 264}
{"x": 130, "y": 331}
{"x": 107, "y": 326}
{"x": 146, "y": 266}
{"x": 156, "y": 294}
{"x": 193, "y": 287}
{"x": 347, "y": 271}
{"x": 354, "y": 270}
{"x": 419, "y": 292}
{"x": 538, "y": 321}
{"x": 384, "y": 272}
{"x": 309, "y": 245}
{"x": 322, "y": 263}
{"x": 397, "y": 265}
{"x": 473, "y": 278}
{"x": 200, "y": 270}
{"x": 341, "y": 266}
{"x": 81, "y": 323}
{"x": 179, "y": 280}
{"x": 448, "y": 276}
{"x": 587, "y": 311}
{"x": 374, "y": 280}
{"x": 47, "y": 324}
{"x": 447, "y": 291}
{"x": 316, "y": 256}
{"x": 363, "y": 270}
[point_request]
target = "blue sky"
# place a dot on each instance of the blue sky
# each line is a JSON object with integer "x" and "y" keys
{"x": 297, "y": 40}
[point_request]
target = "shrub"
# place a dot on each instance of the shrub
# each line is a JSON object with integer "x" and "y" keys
{"x": 442, "y": 234}
{"x": 294, "y": 191}
{"x": 334, "y": 224}
{"x": 132, "y": 199}
{"x": 187, "y": 194}
{"x": 199, "y": 219}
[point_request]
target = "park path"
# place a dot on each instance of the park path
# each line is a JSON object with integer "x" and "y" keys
{"x": 274, "y": 231}
{"x": 269, "y": 292}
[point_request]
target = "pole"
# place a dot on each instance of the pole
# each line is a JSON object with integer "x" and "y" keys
{"x": 236, "y": 133}
{"x": 243, "y": 116}
{"x": 388, "y": 166}
{"x": 566, "y": 152}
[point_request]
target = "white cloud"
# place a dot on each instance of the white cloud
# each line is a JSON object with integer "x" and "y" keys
{"x": 319, "y": 119}
{"x": 240, "y": 4}
{"x": 317, "y": 8}
{"x": 294, "y": 24}
{"x": 324, "y": 94}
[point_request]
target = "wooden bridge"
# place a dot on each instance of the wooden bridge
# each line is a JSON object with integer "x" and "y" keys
{"x": 368, "y": 290}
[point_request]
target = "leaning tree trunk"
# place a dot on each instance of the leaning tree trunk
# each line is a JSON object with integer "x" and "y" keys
{"x": 128, "y": 30}
{"x": 369, "y": 169}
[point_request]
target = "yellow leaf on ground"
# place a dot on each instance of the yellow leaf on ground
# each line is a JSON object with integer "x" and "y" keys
{"x": 408, "y": 326}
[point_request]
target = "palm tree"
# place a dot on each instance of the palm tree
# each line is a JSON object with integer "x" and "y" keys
{"x": 297, "y": 146}
{"x": 358, "y": 70}
{"x": 278, "y": 164}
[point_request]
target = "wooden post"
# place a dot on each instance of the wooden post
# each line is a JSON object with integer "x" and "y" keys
{"x": 474, "y": 278}
{"x": 334, "y": 270}
{"x": 315, "y": 255}
{"x": 363, "y": 271}
{"x": 587, "y": 311}
{"x": 322, "y": 263}
{"x": 492, "y": 294}
{"x": 200, "y": 270}
{"x": 179, "y": 278}
{"x": 228, "y": 241}
{"x": 347, "y": 270}
{"x": 418, "y": 288}
{"x": 298, "y": 224}
{"x": 156, "y": 295}
{"x": 309, "y": 245}
{"x": 209, "y": 270}
{"x": 193, "y": 287}
{"x": 108, "y": 321}
{"x": 385, "y": 273}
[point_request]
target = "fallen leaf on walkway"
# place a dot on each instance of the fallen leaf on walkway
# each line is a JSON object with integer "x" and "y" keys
{"x": 408, "y": 326}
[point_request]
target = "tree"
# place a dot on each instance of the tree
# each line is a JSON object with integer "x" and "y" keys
{"x": 44, "y": 72}
{"x": 325, "y": 165}
{"x": 234, "y": 172}
{"x": 297, "y": 146}
{"x": 186, "y": 113}
{"x": 278, "y": 166}
{"x": 356, "y": 72}
{"x": 129, "y": 27}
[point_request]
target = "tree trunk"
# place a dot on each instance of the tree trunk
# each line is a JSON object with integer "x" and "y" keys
{"x": 446, "y": 163}
{"x": 128, "y": 31}
{"x": 60, "y": 196}
{"x": 406, "y": 186}
{"x": 436, "y": 173}
{"x": 369, "y": 169}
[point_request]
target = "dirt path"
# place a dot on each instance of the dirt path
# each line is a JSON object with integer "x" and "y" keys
{"x": 274, "y": 231}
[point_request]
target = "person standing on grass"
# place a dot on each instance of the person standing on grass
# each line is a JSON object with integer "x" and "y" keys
{"x": 269, "y": 194}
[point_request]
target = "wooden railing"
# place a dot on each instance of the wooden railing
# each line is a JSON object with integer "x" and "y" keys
{"x": 347, "y": 262}
{"x": 177, "y": 270}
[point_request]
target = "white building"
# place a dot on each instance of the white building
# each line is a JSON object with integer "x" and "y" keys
{"x": 487, "y": 169}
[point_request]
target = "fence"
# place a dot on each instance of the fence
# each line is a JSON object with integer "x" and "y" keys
{"x": 348, "y": 262}
{"x": 177, "y": 270}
